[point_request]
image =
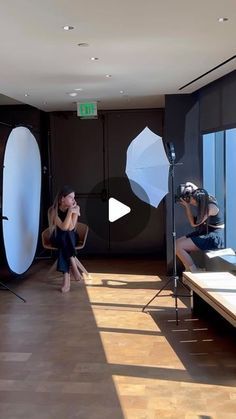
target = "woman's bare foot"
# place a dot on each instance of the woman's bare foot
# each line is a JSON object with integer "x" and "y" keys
{"x": 76, "y": 274}
{"x": 66, "y": 283}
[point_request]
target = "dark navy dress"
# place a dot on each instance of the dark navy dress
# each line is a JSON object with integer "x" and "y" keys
{"x": 209, "y": 236}
{"x": 65, "y": 241}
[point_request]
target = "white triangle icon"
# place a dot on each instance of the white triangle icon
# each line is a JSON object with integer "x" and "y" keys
{"x": 116, "y": 210}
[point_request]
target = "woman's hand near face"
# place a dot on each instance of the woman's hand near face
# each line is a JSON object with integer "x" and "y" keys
{"x": 183, "y": 202}
{"x": 75, "y": 209}
{"x": 72, "y": 206}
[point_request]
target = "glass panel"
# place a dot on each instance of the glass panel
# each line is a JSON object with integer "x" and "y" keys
{"x": 213, "y": 166}
{"x": 219, "y": 169}
{"x": 209, "y": 163}
{"x": 230, "y": 176}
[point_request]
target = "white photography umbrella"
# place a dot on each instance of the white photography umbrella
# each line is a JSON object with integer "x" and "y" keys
{"x": 148, "y": 166}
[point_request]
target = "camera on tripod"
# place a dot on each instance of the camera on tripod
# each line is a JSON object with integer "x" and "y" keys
{"x": 184, "y": 191}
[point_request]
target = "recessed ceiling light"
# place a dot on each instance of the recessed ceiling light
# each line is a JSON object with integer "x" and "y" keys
{"x": 68, "y": 28}
{"x": 26, "y": 94}
{"x": 73, "y": 94}
{"x": 121, "y": 92}
{"x": 94, "y": 58}
{"x": 223, "y": 19}
{"x": 79, "y": 89}
{"x": 108, "y": 75}
{"x": 83, "y": 44}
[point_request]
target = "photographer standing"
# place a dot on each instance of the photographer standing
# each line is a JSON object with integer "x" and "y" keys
{"x": 208, "y": 223}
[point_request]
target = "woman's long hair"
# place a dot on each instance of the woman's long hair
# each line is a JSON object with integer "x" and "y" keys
{"x": 53, "y": 210}
{"x": 201, "y": 196}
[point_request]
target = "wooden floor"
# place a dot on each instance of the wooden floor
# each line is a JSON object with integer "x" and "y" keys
{"x": 93, "y": 353}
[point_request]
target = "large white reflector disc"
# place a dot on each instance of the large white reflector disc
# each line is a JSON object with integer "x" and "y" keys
{"x": 21, "y": 198}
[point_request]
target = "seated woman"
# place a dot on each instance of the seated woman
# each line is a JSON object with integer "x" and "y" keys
{"x": 208, "y": 223}
{"x": 63, "y": 216}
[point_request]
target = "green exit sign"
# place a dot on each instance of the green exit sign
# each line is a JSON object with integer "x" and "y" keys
{"x": 87, "y": 110}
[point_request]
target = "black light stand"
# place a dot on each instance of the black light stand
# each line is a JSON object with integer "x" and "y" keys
{"x": 9, "y": 289}
{"x": 5, "y": 286}
{"x": 174, "y": 279}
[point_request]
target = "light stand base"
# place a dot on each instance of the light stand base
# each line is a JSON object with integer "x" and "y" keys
{"x": 13, "y": 292}
{"x": 173, "y": 279}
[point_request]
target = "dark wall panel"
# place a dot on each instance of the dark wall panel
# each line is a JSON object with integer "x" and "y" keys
{"x": 210, "y": 109}
{"x": 89, "y": 155}
{"x": 122, "y": 128}
{"x": 76, "y": 151}
{"x": 77, "y": 159}
{"x": 229, "y": 101}
{"x": 217, "y": 104}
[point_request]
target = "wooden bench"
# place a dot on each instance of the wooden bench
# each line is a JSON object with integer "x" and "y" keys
{"x": 218, "y": 289}
{"x": 227, "y": 263}
{"x": 221, "y": 263}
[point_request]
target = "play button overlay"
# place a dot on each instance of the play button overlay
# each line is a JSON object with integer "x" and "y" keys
{"x": 113, "y": 212}
{"x": 117, "y": 210}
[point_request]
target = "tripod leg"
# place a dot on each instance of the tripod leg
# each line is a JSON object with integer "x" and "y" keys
{"x": 176, "y": 300}
{"x": 9, "y": 289}
{"x": 176, "y": 310}
{"x": 156, "y": 295}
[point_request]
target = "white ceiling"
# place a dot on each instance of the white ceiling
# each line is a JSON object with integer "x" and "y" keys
{"x": 150, "y": 48}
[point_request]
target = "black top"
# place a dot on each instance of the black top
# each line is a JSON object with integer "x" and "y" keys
{"x": 62, "y": 214}
{"x": 215, "y": 220}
